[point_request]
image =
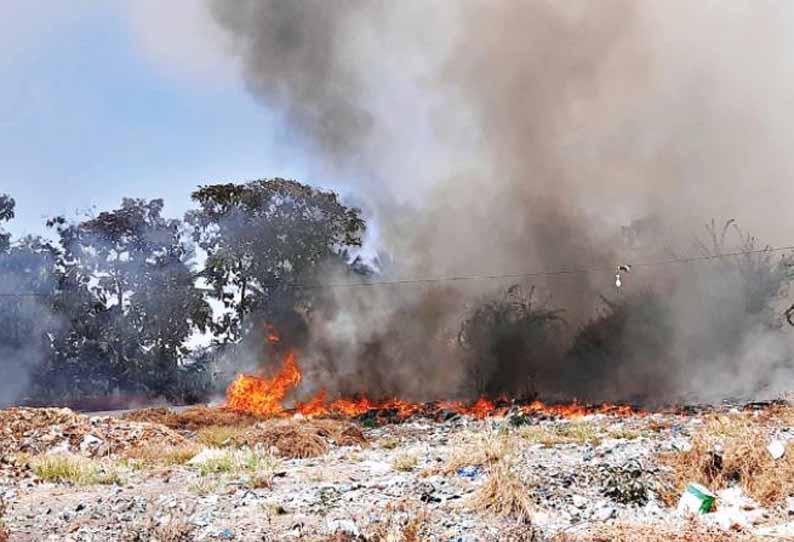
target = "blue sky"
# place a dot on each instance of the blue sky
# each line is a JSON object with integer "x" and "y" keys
{"x": 89, "y": 113}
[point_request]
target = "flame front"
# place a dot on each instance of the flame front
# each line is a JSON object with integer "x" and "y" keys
{"x": 264, "y": 396}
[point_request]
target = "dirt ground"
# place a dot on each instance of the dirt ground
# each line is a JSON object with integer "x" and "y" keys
{"x": 214, "y": 476}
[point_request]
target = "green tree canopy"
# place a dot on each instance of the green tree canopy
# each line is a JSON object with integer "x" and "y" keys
{"x": 262, "y": 236}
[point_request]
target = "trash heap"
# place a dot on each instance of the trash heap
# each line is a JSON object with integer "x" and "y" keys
{"x": 51, "y": 430}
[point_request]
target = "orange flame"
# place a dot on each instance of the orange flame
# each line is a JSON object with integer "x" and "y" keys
{"x": 272, "y": 335}
{"x": 265, "y": 397}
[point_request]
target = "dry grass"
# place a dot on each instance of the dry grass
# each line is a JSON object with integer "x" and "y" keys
{"x": 402, "y": 522}
{"x": 205, "y": 486}
{"x": 571, "y": 433}
{"x": 177, "y": 529}
{"x": 193, "y": 418}
{"x": 257, "y": 467}
{"x": 743, "y": 459}
{"x": 627, "y": 532}
{"x": 405, "y": 462}
{"x": 217, "y": 436}
{"x": 505, "y": 495}
{"x": 154, "y": 455}
{"x": 301, "y": 438}
{"x": 73, "y": 469}
{"x": 480, "y": 450}
{"x": 389, "y": 443}
{"x": 5, "y": 534}
{"x": 658, "y": 426}
{"x": 782, "y": 414}
{"x": 625, "y": 434}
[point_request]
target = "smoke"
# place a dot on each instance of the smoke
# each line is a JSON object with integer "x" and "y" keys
{"x": 27, "y": 322}
{"x": 501, "y": 137}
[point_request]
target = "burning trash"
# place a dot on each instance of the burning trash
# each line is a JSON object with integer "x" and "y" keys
{"x": 267, "y": 397}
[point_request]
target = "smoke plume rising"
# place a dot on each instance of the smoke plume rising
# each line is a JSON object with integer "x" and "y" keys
{"x": 501, "y": 137}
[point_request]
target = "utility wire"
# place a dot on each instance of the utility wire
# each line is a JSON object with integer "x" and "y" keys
{"x": 560, "y": 272}
{"x": 458, "y": 278}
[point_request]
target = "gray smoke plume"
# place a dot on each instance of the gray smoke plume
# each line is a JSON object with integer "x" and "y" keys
{"x": 501, "y": 137}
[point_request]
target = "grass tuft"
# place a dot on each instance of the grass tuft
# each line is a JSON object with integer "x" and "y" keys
{"x": 218, "y": 436}
{"x": 505, "y": 495}
{"x": 405, "y": 462}
{"x": 478, "y": 450}
{"x": 162, "y": 455}
{"x": 73, "y": 469}
{"x": 731, "y": 449}
{"x": 176, "y": 529}
{"x": 258, "y": 466}
{"x": 402, "y": 522}
{"x": 571, "y": 433}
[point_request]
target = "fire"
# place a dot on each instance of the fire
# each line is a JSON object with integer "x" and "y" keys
{"x": 272, "y": 335}
{"x": 265, "y": 396}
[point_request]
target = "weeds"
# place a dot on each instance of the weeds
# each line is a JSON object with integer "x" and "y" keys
{"x": 176, "y": 529}
{"x": 403, "y": 522}
{"x": 728, "y": 450}
{"x": 570, "y": 433}
{"x": 217, "y": 436}
{"x": 405, "y": 462}
{"x": 217, "y": 465}
{"x": 258, "y": 467}
{"x": 482, "y": 450}
{"x": 163, "y": 455}
{"x": 505, "y": 495}
{"x": 625, "y": 434}
{"x": 73, "y": 469}
{"x": 389, "y": 443}
{"x": 205, "y": 486}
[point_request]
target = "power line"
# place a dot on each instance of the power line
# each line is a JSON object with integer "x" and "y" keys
{"x": 535, "y": 274}
{"x": 498, "y": 276}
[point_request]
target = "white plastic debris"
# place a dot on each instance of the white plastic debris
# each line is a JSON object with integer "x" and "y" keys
{"x": 729, "y": 519}
{"x": 681, "y": 445}
{"x": 776, "y": 449}
{"x": 60, "y": 448}
{"x": 605, "y": 513}
{"x": 342, "y": 526}
{"x": 89, "y": 442}
{"x": 205, "y": 455}
{"x": 696, "y": 499}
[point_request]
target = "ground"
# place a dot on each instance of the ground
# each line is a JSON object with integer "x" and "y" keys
{"x": 218, "y": 476}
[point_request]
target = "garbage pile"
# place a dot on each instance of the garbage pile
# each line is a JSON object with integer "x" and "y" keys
{"x": 301, "y": 438}
{"x": 49, "y": 430}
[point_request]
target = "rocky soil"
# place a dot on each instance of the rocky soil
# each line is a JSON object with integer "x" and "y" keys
{"x": 556, "y": 479}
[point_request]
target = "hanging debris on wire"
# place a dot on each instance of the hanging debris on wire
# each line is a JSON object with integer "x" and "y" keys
{"x": 623, "y": 268}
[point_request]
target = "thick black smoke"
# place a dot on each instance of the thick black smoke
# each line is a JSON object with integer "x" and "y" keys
{"x": 493, "y": 137}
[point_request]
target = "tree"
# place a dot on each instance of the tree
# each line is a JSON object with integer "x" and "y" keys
{"x": 28, "y": 279}
{"x": 7, "y": 205}
{"x": 131, "y": 298}
{"x": 262, "y": 237}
